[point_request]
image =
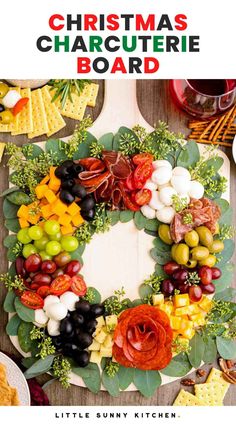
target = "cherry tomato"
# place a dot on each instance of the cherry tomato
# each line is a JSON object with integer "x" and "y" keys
{"x": 143, "y": 197}
{"x": 142, "y": 173}
{"x": 208, "y": 289}
{"x": 32, "y": 300}
{"x": 171, "y": 267}
{"x": 34, "y": 286}
{"x": 43, "y": 291}
{"x": 19, "y": 105}
{"x": 42, "y": 279}
{"x": 49, "y": 267}
{"x": 205, "y": 274}
{"x": 78, "y": 285}
{"x": 142, "y": 158}
{"x": 216, "y": 273}
{"x": 33, "y": 263}
{"x": 129, "y": 203}
{"x": 129, "y": 182}
{"x": 60, "y": 285}
{"x": 195, "y": 293}
{"x": 72, "y": 268}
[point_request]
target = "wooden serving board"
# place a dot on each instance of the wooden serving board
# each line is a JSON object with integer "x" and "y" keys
{"x": 120, "y": 257}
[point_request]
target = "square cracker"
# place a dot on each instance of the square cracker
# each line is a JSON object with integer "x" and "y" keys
{"x": 13, "y": 126}
{"x": 187, "y": 399}
{"x": 210, "y": 393}
{"x": 217, "y": 376}
{"x": 54, "y": 118}
{"x": 76, "y": 108}
{"x": 39, "y": 115}
{"x": 25, "y": 118}
{"x": 92, "y": 94}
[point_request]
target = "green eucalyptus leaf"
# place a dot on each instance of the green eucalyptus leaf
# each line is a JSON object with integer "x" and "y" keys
{"x": 40, "y": 367}
{"x": 28, "y": 362}
{"x": 146, "y": 381}
{"x": 31, "y": 151}
{"x": 126, "y": 216}
{"x": 93, "y": 380}
{"x": 56, "y": 148}
{"x": 76, "y": 255}
{"x": 84, "y": 148}
{"x": 114, "y": 216}
{"x": 227, "y": 253}
{"x": 160, "y": 271}
{"x": 226, "y": 295}
{"x": 116, "y": 142}
{"x": 12, "y": 270}
{"x": 196, "y": 353}
{"x": 137, "y": 302}
{"x": 24, "y": 336}
{"x": 159, "y": 256}
{"x": 210, "y": 351}
{"x": 11, "y": 255}
{"x": 8, "y": 191}
{"x": 226, "y": 278}
{"x": 9, "y": 301}
{"x": 223, "y": 204}
{"x": 151, "y": 224}
{"x": 227, "y": 217}
{"x": 12, "y": 225}
{"x": 145, "y": 290}
{"x": 106, "y": 141}
{"x": 111, "y": 384}
{"x": 178, "y": 367}
{"x": 151, "y": 233}
{"x": 26, "y": 314}
{"x": 19, "y": 198}
{"x": 13, "y": 325}
{"x": 215, "y": 163}
{"x": 95, "y": 294}
{"x": 139, "y": 220}
{"x": 189, "y": 155}
{"x": 9, "y": 209}
{"x": 10, "y": 241}
{"x": 226, "y": 347}
{"x": 160, "y": 245}
{"x": 125, "y": 376}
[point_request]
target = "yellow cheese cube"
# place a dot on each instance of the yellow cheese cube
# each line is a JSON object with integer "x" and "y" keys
{"x": 175, "y": 322}
{"x": 185, "y": 325}
{"x": 198, "y": 319}
{"x": 46, "y": 211}
{"x": 59, "y": 208}
{"x": 77, "y": 220}
{"x": 100, "y": 322}
{"x": 181, "y": 300}
{"x": 106, "y": 352}
{"x": 158, "y": 299}
{"x": 95, "y": 357}
{"x": 23, "y": 212}
{"x": 187, "y": 310}
{"x": 188, "y": 333}
{"x": 94, "y": 346}
{"x": 40, "y": 190}
{"x": 206, "y": 304}
{"x": 111, "y": 322}
{"x": 166, "y": 307}
{"x": 108, "y": 342}
{"x": 66, "y": 229}
{"x": 73, "y": 209}
{"x": 50, "y": 196}
{"x": 64, "y": 219}
{"x": 101, "y": 336}
{"x": 34, "y": 219}
{"x": 23, "y": 223}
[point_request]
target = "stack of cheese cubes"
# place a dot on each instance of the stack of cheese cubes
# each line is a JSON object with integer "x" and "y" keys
{"x": 103, "y": 338}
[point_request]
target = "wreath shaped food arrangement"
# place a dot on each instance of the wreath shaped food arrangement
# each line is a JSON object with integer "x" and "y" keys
{"x": 60, "y": 196}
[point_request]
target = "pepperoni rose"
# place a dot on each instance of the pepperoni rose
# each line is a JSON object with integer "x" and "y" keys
{"x": 143, "y": 338}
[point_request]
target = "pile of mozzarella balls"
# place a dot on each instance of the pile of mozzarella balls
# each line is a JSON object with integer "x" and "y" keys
{"x": 166, "y": 182}
{"x": 54, "y": 310}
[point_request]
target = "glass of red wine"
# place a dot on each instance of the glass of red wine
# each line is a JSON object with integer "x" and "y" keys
{"x": 204, "y": 99}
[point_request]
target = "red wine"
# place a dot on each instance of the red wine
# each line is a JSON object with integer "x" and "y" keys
{"x": 209, "y": 87}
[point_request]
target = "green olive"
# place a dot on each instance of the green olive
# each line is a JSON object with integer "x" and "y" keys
{"x": 205, "y": 236}
{"x": 191, "y": 263}
{"x": 164, "y": 233}
{"x": 209, "y": 261}
{"x": 199, "y": 253}
{"x": 217, "y": 246}
{"x": 3, "y": 89}
{"x": 173, "y": 250}
{"x": 191, "y": 238}
{"x": 181, "y": 253}
{"x": 6, "y": 117}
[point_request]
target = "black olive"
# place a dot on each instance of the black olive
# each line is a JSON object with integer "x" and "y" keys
{"x": 79, "y": 191}
{"x": 90, "y": 326}
{"x": 77, "y": 332}
{"x": 69, "y": 349}
{"x": 66, "y": 326}
{"x": 58, "y": 342}
{"x": 78, "y": 168}
{"x": 62, "y": 172}
{"x": 78, "y": 319}
{"x": 88, "y": 215}
{"x": 68, "y": 337}
{"x": 84, "y": 340}
{"x": 97, "y": 310}
{"x": 2, "y": 108}
{"x": 67, "y": 184}
{"x": 82, "y": 306}
{"x": 68, "y": 164}
{"x": 66, "y": 197}
{"x": 87, "y": 203}
{"x": 81, "y": 357}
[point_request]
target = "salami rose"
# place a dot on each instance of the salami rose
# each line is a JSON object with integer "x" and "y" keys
{"x": 143, "y": 338}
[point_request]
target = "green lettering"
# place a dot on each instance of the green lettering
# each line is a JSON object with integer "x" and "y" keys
{"x": 158, "y": 43}
{"x": 60, "y": 43}
{"x": 94, "y": 43}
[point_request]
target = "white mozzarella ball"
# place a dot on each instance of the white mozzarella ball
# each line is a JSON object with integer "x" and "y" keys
{"x": 11, "y": 98}
{"x": 53, "y": 327}
{"x": 159, "y": 163}
{"x": 162, "y": 175}
{"x": 41, "y": 318}
{"x": 150, "y": 185}
{"x": 163, "y": 185}
{"x": 57, "y": 311}
{"x": 155, "y": 202}
{"x": 180, "y": 171}
{"x": 49, "y": 300}
{"x": 166, "y": 214}
{"x": 148, "y": 212}
{"x": 181, "y": 184}
{"x": 166, "y": 195}
{"x": 69, "y": 299}
{"x": 196, "y": 190}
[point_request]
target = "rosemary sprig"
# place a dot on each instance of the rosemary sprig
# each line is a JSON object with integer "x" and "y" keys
{"x": 65, "y": 87}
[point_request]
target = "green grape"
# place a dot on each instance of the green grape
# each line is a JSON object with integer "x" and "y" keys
{"x": 69, "y": 243}
{"x": 35, "y": 232}
{"x": 29, "y": 249}
{"x": 23, "y": 236}
{"x": 56, "y": 237}
{"x": 53, "y": 248}
{"x": 51, "y": 227}
{"x": 41, "y": 243}
{"x": 45, "y": 256}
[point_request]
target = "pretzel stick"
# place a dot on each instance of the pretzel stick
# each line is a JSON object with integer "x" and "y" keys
{"x": 221, "y": 143}
{"x": 222, "y": 124}
{"x": 212, "y": 123}
{"x": 229, "y": 124}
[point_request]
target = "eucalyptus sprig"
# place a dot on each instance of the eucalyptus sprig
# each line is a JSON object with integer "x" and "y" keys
{"x": 45, "y": 344}
{"x": 101, "y": 222}
{"x": 226, "y": 232}
{"x": 154, "y": 281}
{"x": 13, "y": 283}
{"x": 111, "y": 368}
{"x": 115, "y": 304}
{"x": 65, "y": 87}
{"x": 83, "y": 233}
{"x": 179, "y": 203}
{"x": 61, "y": 370}
{"x": 78, "y": 137}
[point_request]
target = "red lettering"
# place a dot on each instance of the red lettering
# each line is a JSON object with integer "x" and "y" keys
{"x": 83, "y": 65}
{"x": 180, "y": 19}
{"x": 52, "y": 24}
{"x": 112, "y": 21}
{"x": 142, "y": 25}
{"x": 118, "y": 66}
{"x": 151, "y": 65}
{"x": 90, "y": 22}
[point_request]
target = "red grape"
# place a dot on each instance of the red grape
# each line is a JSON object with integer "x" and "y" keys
{"x": 19, "y": 264}
{"x": 208, "y": 289}
{"x": 42, "y": 279}
{"x": 205, "y": 274}
{"x": 180, "y": 275}
{"x": 57, "y": 273}
{"x": 34, "y": 286}
{"x": 167, "y": 287}
{"x": 49, "y": 267}
{"x": 72, "y": 268}
{"x": 171, "y": 267}
{"x": 216, "y": 273}
{"x": 33, "y": 263}
{"x": 195, "y": 293}
{"x": 62, "y": 259}
{"x": 183, "y": 287}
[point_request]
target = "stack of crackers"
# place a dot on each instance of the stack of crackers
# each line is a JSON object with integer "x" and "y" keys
{"x": 8, "y": 394}
{"x": 211, "y": 393}
{"x": 42, "y": 116}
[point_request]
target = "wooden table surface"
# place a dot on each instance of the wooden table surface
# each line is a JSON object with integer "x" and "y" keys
{"x": 155, "y": 104}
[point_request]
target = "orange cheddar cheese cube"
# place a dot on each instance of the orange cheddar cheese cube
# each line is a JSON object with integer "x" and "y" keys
{"x": 175, "y": 322}
{"x": 46, "y": 211}
{"x": 64, "y": 219}
{"x": 67, "y": 229}
{"x": 44, "y": 180}
{"x": 188, "y": 333}
{"x": 23, "y": 223}
{"x": 77, "y": 220}
{"x": 40, "y": 190}
{"x": 59, "y": 208}
{"x": 23, "y": 212}
{"x": 187, "y": 310}
{"x": 34, "y": 219}
{"x": 205, "y": 304}
{"x": 73, "y": 209}
{"x": 50, "y": 196}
